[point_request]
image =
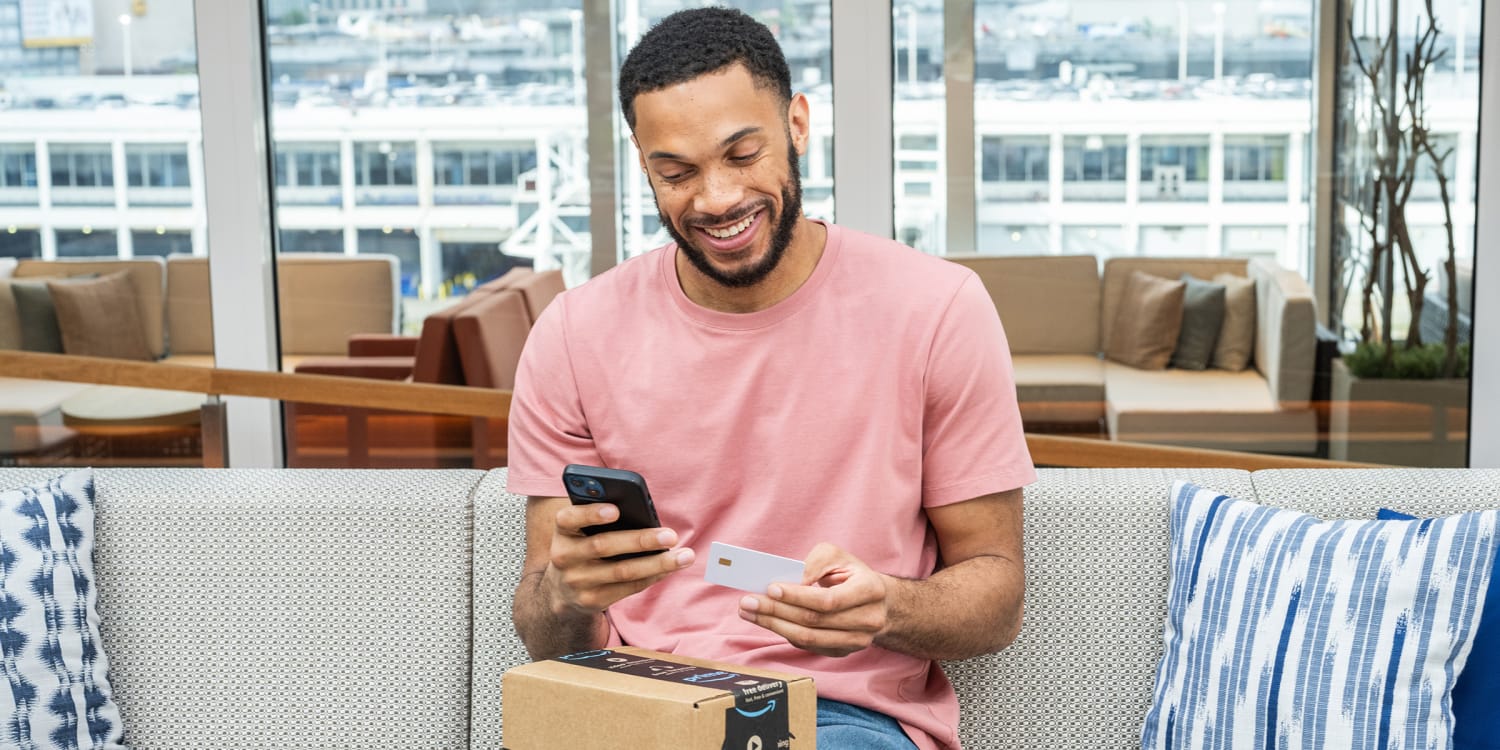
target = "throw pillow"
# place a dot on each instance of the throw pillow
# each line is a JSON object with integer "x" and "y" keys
{"x": 1291, "y": 632}
{"x": 39, "y": 330}
{"x": 1144, "y": 331}
{"x": 1476, "y": 693}
{"x": 1202, "y": 318}
{"x": 10, "y": 318}
{"x": 57, "y": 692}
{"x": 1237, "y": 335}
{"x": 99, "y": 317}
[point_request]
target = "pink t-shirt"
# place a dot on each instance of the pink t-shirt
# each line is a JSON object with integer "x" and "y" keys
{"x": 880, "y": 387}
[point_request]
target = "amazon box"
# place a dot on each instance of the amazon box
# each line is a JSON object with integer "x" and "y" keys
{"x": 632, "y": 698}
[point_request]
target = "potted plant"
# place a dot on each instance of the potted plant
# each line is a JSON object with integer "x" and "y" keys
{"x": 1395, "y": 397}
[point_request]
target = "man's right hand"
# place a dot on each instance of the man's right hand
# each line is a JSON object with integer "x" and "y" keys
{"x": 579, "y": 580}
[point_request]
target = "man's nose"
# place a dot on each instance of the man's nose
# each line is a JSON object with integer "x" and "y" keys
{"x": 721, "y": 193}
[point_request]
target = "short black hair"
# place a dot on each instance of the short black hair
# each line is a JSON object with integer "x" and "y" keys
{"x": 691, "y": 43}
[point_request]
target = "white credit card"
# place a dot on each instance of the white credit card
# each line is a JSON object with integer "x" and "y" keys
{"x": 749, "y": 570}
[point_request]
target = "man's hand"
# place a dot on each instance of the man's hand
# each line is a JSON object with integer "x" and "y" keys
{"x": 577, "y": 577}
{"x": 840, "y": 608}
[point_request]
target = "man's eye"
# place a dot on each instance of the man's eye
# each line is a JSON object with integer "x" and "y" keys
{"x": 674, "y": 177}
{"x": 744, "y": 158}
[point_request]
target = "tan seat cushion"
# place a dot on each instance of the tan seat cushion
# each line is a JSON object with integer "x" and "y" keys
{"x": 99, "y": 317}
{"x": 1210, "y": 408}
{"x": 1060, "y": 387}
{"x": 1237, "y": 334}
{"x": 324, "y": 299}
{"x": 1144, "y": 331}
{"x": 1048, "y": 304}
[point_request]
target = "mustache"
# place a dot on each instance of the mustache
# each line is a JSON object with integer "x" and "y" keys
{"x": 730, "y": 217}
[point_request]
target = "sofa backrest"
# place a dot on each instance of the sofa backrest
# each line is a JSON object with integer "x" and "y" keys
{"x": 1117, "y": 272}
{"x": 499, "y": 551}
{"x": 1048, "y": 304}
{"x": 147, "y": 277}
{"x": 323, "y": 299}
{"x": 190, "y": 324}
{"x": 490, "y": 331}
{"x": 274, "y": 609}
{"x": 1286, "y": 342}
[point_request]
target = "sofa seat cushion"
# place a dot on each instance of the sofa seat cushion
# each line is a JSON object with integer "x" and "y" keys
{"x": 22, "y": 398}
{"x": 1208, "y": 409}
{"x": 1060, "y": 387}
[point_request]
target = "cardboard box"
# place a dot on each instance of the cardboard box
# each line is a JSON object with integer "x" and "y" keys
{"x": 643, "y": 700}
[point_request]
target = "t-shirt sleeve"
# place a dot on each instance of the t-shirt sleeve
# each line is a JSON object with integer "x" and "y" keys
{"x": 547, "y": 428}
{"x": 972, "y": 443}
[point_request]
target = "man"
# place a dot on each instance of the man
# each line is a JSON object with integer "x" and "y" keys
{"x": 785, "y": 385}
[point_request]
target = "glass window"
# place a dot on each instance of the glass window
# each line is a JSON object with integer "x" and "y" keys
{"x": 1014, "y": 159}
{"x": 17, "y": 166}
{"x": 20, "y": 243}
{"x": 161, "y": 242}
{"x": 311, "y": 241}
{"x": 86, "y": 242}
{"x": 82, "y": 165}
{"x": 402, "y": 243}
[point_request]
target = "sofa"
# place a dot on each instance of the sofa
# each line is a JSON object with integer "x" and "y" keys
{"x": 345, "y": 608}
{"x": 1058, "y": 313}
{"x": 323, "y": 299}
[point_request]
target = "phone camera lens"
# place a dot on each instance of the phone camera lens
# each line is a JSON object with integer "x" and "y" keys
{"x": 593, "y": 492}
{"x": 576, "y": 482}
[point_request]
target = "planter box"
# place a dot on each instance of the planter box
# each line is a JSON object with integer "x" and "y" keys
{"x": 1397, "y": 421}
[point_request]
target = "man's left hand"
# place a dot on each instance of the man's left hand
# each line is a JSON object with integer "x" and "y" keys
{"x": 840, "y": 608}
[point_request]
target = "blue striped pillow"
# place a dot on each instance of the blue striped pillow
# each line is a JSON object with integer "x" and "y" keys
{"x": 54, "y": 688}
{"x": 1476, "y": 693}
{"x": 1285, "y": 631}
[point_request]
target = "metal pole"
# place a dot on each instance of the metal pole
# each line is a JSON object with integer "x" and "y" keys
{"x": 1182, "y": 40}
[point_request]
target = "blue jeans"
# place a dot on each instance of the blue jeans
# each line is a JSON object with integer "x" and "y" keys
{"x": 845, "y": 727}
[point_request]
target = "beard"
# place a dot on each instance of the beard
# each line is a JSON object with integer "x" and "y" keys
{"x": 781, "y": 235}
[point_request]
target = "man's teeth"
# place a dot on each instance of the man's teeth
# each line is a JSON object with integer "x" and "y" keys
{"x": 733, "y": 230}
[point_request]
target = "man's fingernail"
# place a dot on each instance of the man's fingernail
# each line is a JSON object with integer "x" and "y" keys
{"x": 608, "y": 512}
{"x": 664, "y": 538}
{"x": 749, "y": 604}
{"x": 684, "y": 557}
{"x": 773, "y": 591}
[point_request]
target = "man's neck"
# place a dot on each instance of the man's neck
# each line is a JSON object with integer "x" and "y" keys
{"x": 802, "y": 254}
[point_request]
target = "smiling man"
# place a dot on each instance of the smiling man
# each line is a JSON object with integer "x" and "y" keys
{"x": 783, "y": 384}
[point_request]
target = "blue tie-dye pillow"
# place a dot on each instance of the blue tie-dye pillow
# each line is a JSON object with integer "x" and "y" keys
{"x": 54, "y": 688}
{"x": 1285, "y": 631}
{"x": 1476, "y": 694}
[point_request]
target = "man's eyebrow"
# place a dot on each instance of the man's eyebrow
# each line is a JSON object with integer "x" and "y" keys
{"x": 735, "y": 136}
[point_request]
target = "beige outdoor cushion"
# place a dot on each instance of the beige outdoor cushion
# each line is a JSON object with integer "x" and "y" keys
{"x": 99, "y": 317}
{"x": 1048, "y": 304}
{"x": 1237, "y": 335}
{"x": 10, "y": 318}
{"x": 1210, "y": 408}
{"x": 325, "y": 299}
{"x": 1144, "y": 330}
{"x": 190, "y": 323}
{"x": 35, "y": 399}
{"x": 1117, "y": 273}
{"x": 147, "y": 276}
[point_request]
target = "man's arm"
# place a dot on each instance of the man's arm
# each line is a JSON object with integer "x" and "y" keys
{"x": 566, "y": 585}
{"x": 971, "y": 606}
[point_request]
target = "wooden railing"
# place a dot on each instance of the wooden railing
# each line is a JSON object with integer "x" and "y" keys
{"x": 1046, "y": 450}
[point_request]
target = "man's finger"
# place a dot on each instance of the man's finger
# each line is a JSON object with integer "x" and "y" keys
{"x": 571, "y": 519}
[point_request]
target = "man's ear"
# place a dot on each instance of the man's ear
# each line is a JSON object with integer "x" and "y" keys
{"x": 798, "y": 122}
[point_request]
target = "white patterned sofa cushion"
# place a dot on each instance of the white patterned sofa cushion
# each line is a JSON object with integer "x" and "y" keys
{"x": 285, "y": 609}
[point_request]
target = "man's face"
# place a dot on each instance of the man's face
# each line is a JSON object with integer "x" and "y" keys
{"x": 721, "y": 155}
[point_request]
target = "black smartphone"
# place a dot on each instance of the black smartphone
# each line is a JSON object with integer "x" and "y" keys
{"x": 625, "y": 489}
